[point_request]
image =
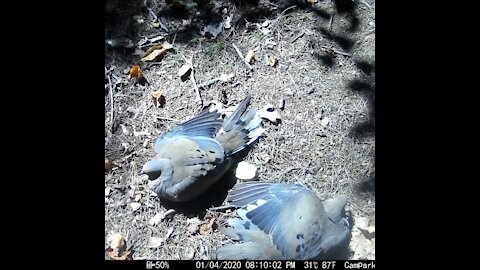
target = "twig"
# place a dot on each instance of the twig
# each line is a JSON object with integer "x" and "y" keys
{"x": 111, "y": 104}
{"x": 330, "y": 50}
{"x": 285, "y": 10}
{"x": 297, "y": 37}
{"x": 330, "y": 23}
{"x": 220, "y": 208}
{"x": 274, "y": 24}
{"x": 198, "y": 98}
{"x": 221, "y": 78}
{"x": 155, "y": 17}
{"x": 153, "y": 14}
{"x": 340, "y": 52}
{"x": 241, "y": 56}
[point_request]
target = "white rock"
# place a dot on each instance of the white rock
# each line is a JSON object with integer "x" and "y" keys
{"x": 135, "y": 206}
{"x": 325, "y": 122}
{"x": 246, "y": 171}
{"x": 156, "y": 219}
{"x": 154, "y": 242}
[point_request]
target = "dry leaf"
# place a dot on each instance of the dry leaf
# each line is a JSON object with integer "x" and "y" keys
{"x": 158, "y": 98}
{"x": 114, "y": 254}
{"x": 193, "y": 224}
{"x": 272, "y": 61}
{"x": 108, "y": 165}
{"x": 136, "y": 72}
{"x": 156, "y": 219}
{"x": 312, "y": 1}
{"x": 155, "y": 24}
{"x": 116, "y": 241}
{"x": 157, "y": 52}
{"x": 184, "y": 71}
{"x": 169, "y": 232}
{"x": 246, "y": 171}
{"x": 207, "y": 228}
{"x": 117, "y": 249}
{"x": 250, "y": 56}
{"x": 269, "y": 112}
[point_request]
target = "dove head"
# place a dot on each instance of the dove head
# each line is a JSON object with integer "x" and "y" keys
{"x": 153, "y": 168}
{"x": 334, "y": 207}
{"x": 159, "y": 171}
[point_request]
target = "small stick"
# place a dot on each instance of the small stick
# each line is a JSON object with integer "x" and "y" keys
{"x": 330, "y": 23}
{"x": 198, "y": 98}
{"x": 340, "y": 52}
{"x": 111, "y": 104}
{"x": 241, "y": 56}
{"x": 157, "y": 19}
{"x": 220, "y": 208}
{"x": 297, "y": 37}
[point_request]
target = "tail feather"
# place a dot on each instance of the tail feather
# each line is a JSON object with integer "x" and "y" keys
{"x": 240, "y": 129}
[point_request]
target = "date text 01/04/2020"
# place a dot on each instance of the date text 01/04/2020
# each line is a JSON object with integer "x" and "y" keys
{"x": 218, "y": 264}
{"x": 238, "y": 264}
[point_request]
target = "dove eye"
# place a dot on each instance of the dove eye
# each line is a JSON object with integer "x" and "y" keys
{"x": 154, "y": 175}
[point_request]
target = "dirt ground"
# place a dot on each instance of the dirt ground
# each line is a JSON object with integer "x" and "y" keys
{"x": 326, "y": 138}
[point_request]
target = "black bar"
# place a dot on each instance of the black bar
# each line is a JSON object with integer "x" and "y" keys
{"x": 228, "y": 265}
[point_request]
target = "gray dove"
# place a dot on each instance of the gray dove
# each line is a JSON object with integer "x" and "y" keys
{"x": 195, "y": 154}
{"x": 283, "y": 221}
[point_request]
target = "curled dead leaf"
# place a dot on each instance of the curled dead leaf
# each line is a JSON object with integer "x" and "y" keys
{"x": 269, "y": 112}
{"x": 250, "y": 56}
{"x": 157, "y": 52}
{"x": 193, "y": 224}
{"x": 207, "y": 227}
{"x": 116, "y": 241}
{"x": 272, "y": 61}
{"x": 155, "y": 24}
{"x": 184, "y": 72}
{"x": 118, "y": 248}
{"x": 156, "y": 219}
{"x": 158, "y": 98}
{"x": 108, "y": 165}
{"x": 136, "y": 72}
{"x": 114, "y": 254}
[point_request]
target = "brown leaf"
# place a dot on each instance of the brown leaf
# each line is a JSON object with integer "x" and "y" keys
{"x": 155, "y": 24}
{"x": 115, "y": 254}
{"x": 118, "y": 248}
{"x": 272, "y": 61}
{"x": 207, "y": 227}
{"x": 250, "y": 56}
{"x": 108, "y": 165}
{"x": 158, "y": 98}
{"x": 157, "y": 52}
{"x": 184, "y": 72}
{"x": 136, "y": 72}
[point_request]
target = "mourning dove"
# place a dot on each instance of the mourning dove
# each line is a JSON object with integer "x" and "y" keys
{"x": 283, "y": 221}
{"x": 195, "y": 154}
